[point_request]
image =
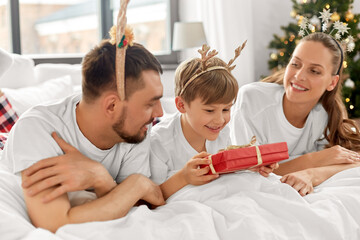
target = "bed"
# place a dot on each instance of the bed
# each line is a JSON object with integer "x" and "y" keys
{"x": 241, "y": 205}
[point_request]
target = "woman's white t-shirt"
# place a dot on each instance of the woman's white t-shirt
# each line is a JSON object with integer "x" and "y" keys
{"x": 259, "y": 112}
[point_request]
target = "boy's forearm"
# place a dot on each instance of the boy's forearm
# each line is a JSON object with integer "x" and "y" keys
{"x": 173, "y": 184}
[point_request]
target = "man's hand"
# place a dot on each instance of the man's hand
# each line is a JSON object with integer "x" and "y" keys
{"x": 301, "y": 181}
{"x": 69, "y": 172}
{"x": 151, "y": 191}
{"x": 265, "y": 170}
{"x": 195, "y": 175}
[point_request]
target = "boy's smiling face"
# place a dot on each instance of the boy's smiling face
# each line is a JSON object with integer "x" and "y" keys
{"x": 203, "y": 120}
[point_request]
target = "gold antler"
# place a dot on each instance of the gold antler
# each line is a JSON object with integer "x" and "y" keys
{"x": 237, "y": 54}
{"x": 205, "y": 56}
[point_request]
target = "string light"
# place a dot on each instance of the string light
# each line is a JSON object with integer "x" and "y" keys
{"x": 273, "y": 56}
{"x": 281, "y": 53}
{"x": 351, "y": 106}
{"x": 347, "y": 100}
{"x": 345, "y": 64}
{"x": 327, "y": 6}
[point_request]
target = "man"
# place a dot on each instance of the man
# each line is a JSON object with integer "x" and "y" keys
{"x": 102, "y": 128}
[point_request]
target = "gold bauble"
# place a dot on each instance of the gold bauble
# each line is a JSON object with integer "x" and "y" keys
{"x": 349, "y": 16}
{"x": 293, "y": 14}
{"x": 335, "y": 17}
{"x": 274, "y": 56}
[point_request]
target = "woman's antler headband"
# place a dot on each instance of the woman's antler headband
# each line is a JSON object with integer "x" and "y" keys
{"x": 205, "y": 56}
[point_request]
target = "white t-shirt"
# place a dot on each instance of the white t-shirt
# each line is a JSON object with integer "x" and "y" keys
{"x": 259, "y": 112}
{"x": 169, "y": 149}
{"x": 30, "y": 141}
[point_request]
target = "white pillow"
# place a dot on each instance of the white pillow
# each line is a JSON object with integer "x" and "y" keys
{"x": 24, "y": 98}
{"x": 46, "y": 71}
{"x": 20, "y": 74}
{"x": 6, "y": 61}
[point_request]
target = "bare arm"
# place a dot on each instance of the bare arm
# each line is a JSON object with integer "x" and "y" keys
{"x": 330, "y": 156}
{"x": 113, "y": 205}
{"x": 304, "y": 180}
{"x": 66, "y": 173}
{"x": 189, "y": 174}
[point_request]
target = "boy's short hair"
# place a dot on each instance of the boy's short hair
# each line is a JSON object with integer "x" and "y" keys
{"x": 216, "y": 86}
{"x": 98, "y": 69}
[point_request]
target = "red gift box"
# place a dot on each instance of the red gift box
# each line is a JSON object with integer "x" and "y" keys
{"x": 243, "y": 158}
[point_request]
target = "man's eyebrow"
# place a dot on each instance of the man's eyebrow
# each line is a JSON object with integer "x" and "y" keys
{"x": 156, "y": 98}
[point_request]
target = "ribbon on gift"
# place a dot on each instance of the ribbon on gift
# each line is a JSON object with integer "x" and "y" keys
{"x": 252, "y": 143}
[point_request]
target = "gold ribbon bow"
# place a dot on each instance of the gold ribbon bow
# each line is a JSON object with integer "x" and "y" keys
{"x": 252, "y": 143}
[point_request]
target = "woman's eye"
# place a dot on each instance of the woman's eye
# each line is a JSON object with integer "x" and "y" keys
{"x": 226, "y": 109}
{"x": 315, "y": 72}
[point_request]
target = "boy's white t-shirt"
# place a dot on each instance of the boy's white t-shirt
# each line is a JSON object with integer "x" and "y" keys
{"x": 30, "y": 141}
{"x": 259, "y": 112}
{"x": 169, "y": 149}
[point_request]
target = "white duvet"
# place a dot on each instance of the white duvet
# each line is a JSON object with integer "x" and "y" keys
{"x": 242, "y": 205}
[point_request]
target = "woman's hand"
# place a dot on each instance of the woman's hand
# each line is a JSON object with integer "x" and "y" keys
{"x": 335, "y": 155}
{"x": 301, "y": 181}
{"x": 194, "y": 174}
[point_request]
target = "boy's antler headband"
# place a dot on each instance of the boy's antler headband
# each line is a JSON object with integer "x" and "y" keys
{"x": 124, "y": 37}
{"x": 204, "y": 68}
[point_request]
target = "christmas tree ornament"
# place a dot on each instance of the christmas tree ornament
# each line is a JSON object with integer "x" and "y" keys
{"x": 349, "y": 16}
{"x": 335, "y": 17}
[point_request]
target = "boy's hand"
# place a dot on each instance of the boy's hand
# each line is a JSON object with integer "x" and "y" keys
{"x": 265, "y": 170}
{"x": 195, "y": 175}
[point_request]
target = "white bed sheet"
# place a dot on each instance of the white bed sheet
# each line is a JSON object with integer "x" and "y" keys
{"x": 236, "y": 206}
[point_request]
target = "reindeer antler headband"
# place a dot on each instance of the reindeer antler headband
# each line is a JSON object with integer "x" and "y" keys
{"x": 205, "y": 56}
{"x": 124, "y": 37}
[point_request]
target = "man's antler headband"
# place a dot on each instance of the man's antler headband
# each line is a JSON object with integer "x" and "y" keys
{"x": 205, "y": 56}
{"x": 122, "y": 41}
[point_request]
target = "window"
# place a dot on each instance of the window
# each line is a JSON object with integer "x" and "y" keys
{"x": 64, "y": 30}
{"x": 149, "y": 22}
{"x": 53, "y": 27}
{"x": 4, "y": 26}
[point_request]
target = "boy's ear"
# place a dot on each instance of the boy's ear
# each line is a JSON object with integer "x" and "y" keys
{"x": 180, "y": 104}
{"x": 111, "y": 104}
{"x": 334, "y": 81}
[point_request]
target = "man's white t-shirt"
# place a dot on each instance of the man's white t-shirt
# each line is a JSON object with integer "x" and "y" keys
{"x": 169, "y": 149}
{"x": 30, "y": 141}
{"x": 259, "y": 112}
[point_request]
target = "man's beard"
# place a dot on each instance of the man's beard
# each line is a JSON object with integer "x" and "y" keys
{"x": 119, "y": 129}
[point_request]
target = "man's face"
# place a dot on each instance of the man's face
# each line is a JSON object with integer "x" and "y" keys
{"x": 140, "y": 109}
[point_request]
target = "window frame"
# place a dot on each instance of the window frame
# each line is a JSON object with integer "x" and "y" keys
{"x": 105, "y": 22}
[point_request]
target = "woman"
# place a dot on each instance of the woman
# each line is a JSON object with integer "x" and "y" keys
{"x": 305, "y": 110}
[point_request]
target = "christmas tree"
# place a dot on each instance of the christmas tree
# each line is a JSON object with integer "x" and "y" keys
{"x": 306, "y": 14}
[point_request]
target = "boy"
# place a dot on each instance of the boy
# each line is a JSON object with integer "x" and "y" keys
{"x": 205, "y": 90}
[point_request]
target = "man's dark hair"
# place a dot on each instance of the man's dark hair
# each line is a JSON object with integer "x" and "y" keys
{"x": 98, "y": 69}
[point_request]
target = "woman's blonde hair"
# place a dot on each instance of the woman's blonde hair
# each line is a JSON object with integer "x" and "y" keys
{"x": 339, "y": 130}
{"x": 216, "y": 86}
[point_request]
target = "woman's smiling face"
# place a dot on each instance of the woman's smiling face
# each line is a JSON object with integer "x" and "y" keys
{"x": 309, "y": 73}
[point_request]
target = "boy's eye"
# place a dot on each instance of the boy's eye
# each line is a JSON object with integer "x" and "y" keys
{"x": 226, "y": 109}
{"x": 209, "y": 110}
